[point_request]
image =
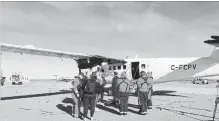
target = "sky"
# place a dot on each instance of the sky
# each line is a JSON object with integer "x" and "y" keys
{"x": 112, "y": 29}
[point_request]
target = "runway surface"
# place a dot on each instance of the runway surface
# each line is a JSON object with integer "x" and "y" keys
{"x": 51, "y": 101}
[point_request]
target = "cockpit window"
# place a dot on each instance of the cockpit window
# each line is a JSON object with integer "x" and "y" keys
{"x": 119, "y": 67}
{"x": 124, "y": 67}
{"x": 114, "y": 67}
{"x": 142, "y": 66}
{"x": 110, "y": 67}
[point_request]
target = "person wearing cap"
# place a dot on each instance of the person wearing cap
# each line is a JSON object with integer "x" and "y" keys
{"x": 114, "y": 87}
{"x": 90, "y": 89}
{"x": 123, "y": 93}
{"x": 143, "y": 87}
{"x": 101, "y": 80}
{"x": 150, "y": 90}
{"x": 76, "y": 84}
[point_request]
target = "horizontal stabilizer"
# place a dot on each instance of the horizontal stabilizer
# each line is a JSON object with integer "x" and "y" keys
{"x": 215, "y": 37}
{"x": 214, "y": 42}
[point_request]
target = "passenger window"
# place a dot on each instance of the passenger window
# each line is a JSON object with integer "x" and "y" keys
{"x": 124, "y": 67}
{"x": 142, "y": 66}
{"x": 114, "y": 67}
{"x": 110, "y": 68}
{"x": 119, "y": 67}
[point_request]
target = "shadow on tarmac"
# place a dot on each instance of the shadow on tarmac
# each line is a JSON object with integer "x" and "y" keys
{"x": 36, "y": 95}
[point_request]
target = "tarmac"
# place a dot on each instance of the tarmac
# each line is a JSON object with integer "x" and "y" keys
{"x": 51, "y": 101}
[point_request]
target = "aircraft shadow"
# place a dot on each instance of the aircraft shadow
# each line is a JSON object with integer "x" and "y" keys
{"x": 166, "y": 93}
{"x": 161, "y": 93}
{"x": 67, "y": 100}
{"x": 35, "y": 95}
{"x": 117, "y": 107}
{"x": 108, "y": 109}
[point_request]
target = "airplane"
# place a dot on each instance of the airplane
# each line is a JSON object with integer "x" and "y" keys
{"x": 163, "y": 69}
{"x": 65, "y": 79}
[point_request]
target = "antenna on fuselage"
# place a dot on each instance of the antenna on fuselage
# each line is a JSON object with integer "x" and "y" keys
{"x": 136, "y": 56}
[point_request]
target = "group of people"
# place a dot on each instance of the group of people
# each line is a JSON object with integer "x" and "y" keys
{"x": 120, "y": 89}
{"x": 88, "y": 91}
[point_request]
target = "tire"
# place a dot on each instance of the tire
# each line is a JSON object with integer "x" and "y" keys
{"x": 193, "y": 82}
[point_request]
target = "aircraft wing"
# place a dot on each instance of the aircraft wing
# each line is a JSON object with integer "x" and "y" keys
{"x": 201, "y": 65}
{"x": 60, "y": 54}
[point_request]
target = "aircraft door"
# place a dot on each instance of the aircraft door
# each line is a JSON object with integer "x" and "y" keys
{"x": 135, "y": 70}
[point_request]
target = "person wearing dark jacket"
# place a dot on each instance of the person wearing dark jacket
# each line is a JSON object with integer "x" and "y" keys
{"x": 114, "y": 87}
{"x": 91, "y": 88}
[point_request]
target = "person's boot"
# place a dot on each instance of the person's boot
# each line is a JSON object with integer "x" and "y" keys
{"x": 76, "y": 115}
{"x": 143, "y": 113}
{"x": 97, "y": 109}
{"x": 149, "y": 107}
{"x": 139, "y": 112}
{"x": 85, "y": 119}
{"x": 125, "y": 113}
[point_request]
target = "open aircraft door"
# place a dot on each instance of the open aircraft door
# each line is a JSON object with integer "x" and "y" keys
{"x": 135, "y": 70}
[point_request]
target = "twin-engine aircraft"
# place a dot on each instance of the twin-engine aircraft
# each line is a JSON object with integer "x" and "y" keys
{"x": 163, "y": 69}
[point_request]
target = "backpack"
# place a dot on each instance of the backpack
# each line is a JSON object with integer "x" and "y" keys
{"x": 144, "y": 86}
{"x": 90, "y": 87}
{"x": 123, "y": 84}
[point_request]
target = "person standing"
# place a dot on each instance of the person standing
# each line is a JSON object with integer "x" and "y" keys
{"x": 114, "y": 87}
{"x": 75, "y": 96}
{"x": 101, "y": 80}
{"x": 143, "y": 87}
{"x": 83, "y": 79}
{"x": 123, "y": 93}
{"x": 150, "y": 90}
{"x": 91, "y": 88}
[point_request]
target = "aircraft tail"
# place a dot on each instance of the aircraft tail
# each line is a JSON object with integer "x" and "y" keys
{"x": 215, "y": 55}
{"x": 201, "y": 65}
